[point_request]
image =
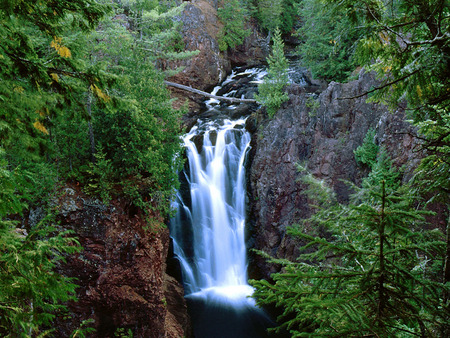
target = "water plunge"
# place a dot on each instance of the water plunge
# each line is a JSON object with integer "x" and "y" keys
{"x": 208, "y": 230}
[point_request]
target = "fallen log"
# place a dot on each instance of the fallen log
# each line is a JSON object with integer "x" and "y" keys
{"x": 220, "y": 98}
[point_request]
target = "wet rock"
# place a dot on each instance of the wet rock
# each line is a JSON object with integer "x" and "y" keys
{"x": 36, "y": 215}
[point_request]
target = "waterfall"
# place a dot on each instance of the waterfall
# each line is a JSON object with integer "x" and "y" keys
{"x": 208, "y": 230}
{"x": 216, "y": 155}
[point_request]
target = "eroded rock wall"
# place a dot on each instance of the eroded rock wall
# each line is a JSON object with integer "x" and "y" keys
{"x": 121, "y": 272}
{"x": 201, "y": 29}
{"x": 320, "y": 133}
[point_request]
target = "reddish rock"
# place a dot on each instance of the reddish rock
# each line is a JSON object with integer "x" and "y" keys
{"x": 201, "y": 29}
{"x": 121, "y": 273}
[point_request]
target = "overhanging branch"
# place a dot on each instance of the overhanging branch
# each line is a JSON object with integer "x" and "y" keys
{"x": 380, "y": 87}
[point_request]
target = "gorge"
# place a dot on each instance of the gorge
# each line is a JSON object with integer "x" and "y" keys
{"x": 147, "y": 269}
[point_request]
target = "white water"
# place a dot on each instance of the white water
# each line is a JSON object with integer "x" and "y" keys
{"x": 216, "y": 213}
{"x": 208, "y": 229}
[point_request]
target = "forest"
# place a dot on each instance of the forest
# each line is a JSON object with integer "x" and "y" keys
{"x": 83, "y": 103}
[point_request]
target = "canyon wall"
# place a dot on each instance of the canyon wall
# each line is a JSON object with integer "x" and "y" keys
{"x": 121, "y": 272}
{"x": 320, "y": 132}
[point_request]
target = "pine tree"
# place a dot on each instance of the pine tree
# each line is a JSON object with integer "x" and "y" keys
{"x": 233, "y": 15}
{"x": 407, "y": 44}
{"x": 271, "y": 93}
{"x": 269, "y": 13}
{"x": 369, "y": 275}
{"x": 328, "y": 41}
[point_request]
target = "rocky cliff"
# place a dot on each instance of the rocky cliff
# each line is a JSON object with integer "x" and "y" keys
{"x": 201, "y": 28}
{"x": 121, "y": 272}
{"x": 320, "y": 132}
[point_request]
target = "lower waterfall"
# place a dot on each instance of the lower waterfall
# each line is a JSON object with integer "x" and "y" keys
{"x": 208, "y": 231}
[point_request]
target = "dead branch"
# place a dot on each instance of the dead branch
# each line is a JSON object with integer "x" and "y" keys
{"x": 199, "y": 92}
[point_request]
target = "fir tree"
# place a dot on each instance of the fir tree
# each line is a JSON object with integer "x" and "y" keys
{"x": 328, "y": 41}
{"x": 271, "y": 93}
{"x": 233, "y": 15}
{"x": 269, "y": 13}
{"x": 407, "y": 44}
{"x": 369, "y": 275}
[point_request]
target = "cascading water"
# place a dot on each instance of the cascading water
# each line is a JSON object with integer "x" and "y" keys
{"x": 208, "y": 230}
{"x": 217, "y": 210}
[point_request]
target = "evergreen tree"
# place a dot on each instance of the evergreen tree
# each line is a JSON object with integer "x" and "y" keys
{"x": 369, "y": 275}
{"x": 271, "y": 93}
{"x": 139, "y": 136}
{"x": 328, "y": 41}
{"x": 273, "y": 14}
{"x": 269, "y": 13}
{"x": 407, "y": 44}
{"x": 31, "y": 292}
{"x": 233, "y": 15}
{"x": 59, "y": 78}
{"x": 368, "y": 151}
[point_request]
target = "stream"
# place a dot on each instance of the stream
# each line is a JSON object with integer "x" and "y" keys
{"x": 208, "y": 230}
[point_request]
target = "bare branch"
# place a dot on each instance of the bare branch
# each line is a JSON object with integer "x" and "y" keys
{"x": 199, "y": 92}
{"x": 381, "y": 87}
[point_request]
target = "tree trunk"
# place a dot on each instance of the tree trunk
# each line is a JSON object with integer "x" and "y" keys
{"x": 91, "y": 130}
{"x": 199, "y": 92}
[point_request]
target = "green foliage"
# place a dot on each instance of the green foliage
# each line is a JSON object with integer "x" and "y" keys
{"x": 329, "y": 41}
{"x": 100, "y": 177}
{"x": 233, "y": 15}
{"x": 271, "y": 93}
{"x": 407, "y": 44}
{"x": 313, "y": 105}
{"x": 32, "y": 293}
{"x": 60, "y": 80}
{"x": 83, "y": 330}
{"x": 273, "y": 14}
{"x": 382, "y": 170}
{"x": 369, "y": 275}
{"x": 141, "y": 137}
{"x": 368, "y": 151}
{"x": 433, "y": 174}
{"x": 289, "y": 16}
{"x": 120, "y": 332}
{"x": 269, "y": 13}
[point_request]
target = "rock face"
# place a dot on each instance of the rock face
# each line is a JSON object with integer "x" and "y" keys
{"x": 320, "y": 133}
{"x": 121, "y": 273}
{"x": 200, "y": 30}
